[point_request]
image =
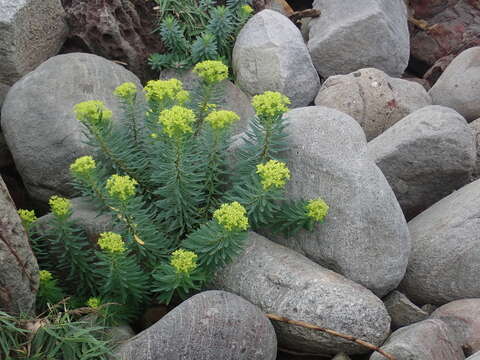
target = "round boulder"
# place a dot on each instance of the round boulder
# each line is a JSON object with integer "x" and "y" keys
{"x": 365, "y": 236}
{"x": 209, "y": 326}
{"x": 374, "y": 99}
{"x": 351, "y": 35}
{"x": 463, "y": 317}
{"x": 425, "y": 156}
{"x": 31, "y": 31}
{"x": 444, "y": 264}
{"x": 426, "y": 340}
{"x": 270, "y": 54}
{"x": 283, "y": 282}
{"x": 459, "y": 86}
{"x": 39, "y": 124}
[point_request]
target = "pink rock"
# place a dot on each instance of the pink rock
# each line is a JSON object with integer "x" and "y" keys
{"x": 463, "y": 318}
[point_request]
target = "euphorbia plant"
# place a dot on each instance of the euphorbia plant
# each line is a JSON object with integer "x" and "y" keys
{"x": 179, "y": 210}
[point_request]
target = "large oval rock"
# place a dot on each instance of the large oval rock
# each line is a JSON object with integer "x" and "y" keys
{"x": 351, "y": 35}
{"x": 365, "y": 235}
{"x": 209, "y": 326}
{"x": 18, "y": 266}
{"x": 39, "y": 123}
{"x": 281, "y": 281}
{"x": 444, "y": 264}
{"x": 374, "y": 99}
{"x": 425, "y": 156}
{"x": 426, "y": 340}
{"x": 475, "y": 126}
{"x": 463, "y": 317}
{"x": 459, "y": 86}
{"x": 270, "y": 54}
{"x": 31, "y": 31}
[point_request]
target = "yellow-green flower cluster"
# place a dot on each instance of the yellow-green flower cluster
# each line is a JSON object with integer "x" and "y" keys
{"x": 177, "y": 121}
{"x": 122, "y": 187}
{"x": 94, "y": 302}
{"x": 27, "y": 216}
{"x": 127, "y": 91}
{"x": 83, "y": 166}
{"x": 273, "y": 174}
{"x": 211, "y": 71}
{"x": 232, "y": 217}
{"x": 92, "y": 112}
{"x": 45, "y": 276}
{"x": 59, "y": 205}
{"x": 270, "y": 104}
{"x": 317, "y": 209}
{"x": 111, "y": 242}
{"x": 247, "y": 9}
{"x": 161, "y": 90}
{"x": 221, "y": 119}
{"x": 184, "y": 261}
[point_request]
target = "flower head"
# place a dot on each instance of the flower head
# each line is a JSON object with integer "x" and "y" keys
{"x": 94, "y": 302}
{"x": 92, "y": 112}
{"x": 83, "y": 166}
{"x": 111, "y": 242}
{"x": 126, "y": 91}
{"x": 270, "y": 104}
{"x": 232, "y": 217}
{"x": 160, "y": 90}
{"x": 45, "y": 276}
{"x": 59, "y": 205}
{"x": 211, "y": 71}
{"x": 273, "y": 174}
{"x": 177, "y": 121}
{"x": 184, "y": 261}
{"x": 121, "y": 187}
{"x": 27, "y": 216}
{"x": 246, "y": 9}
{"x": 317, "y": 209}
{"x": 221, "y": 119}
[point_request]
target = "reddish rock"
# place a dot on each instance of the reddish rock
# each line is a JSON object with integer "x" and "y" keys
{"x": 118, "y": 30}
{"x": 454, "y": 27}
{"x": 463, "y": 317}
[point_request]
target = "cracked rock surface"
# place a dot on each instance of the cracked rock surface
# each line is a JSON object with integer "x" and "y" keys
{"x": 18, "y": 265}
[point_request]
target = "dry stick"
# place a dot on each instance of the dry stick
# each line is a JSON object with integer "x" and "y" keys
{"x": 297, "y": 15}
{"x": 331, "y": 332}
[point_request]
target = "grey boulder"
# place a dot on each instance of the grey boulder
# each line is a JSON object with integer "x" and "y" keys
{"x": 39, "y": 124}
{"x": 425, "y": 156}
{"x": 18, "y": 265}
{"x": 365, "y": 236}
{"x": 475, "y": 126}
{"x": 475, "y": 356}
{"x": 444, "y": 264}
{"x": 234, "y": 99}
{"x": 270, "y": 54}
{"x": 208, "y": 326}
{"x": 426, "y": 340}
{"x": 31, "y": 31}
{"x": 351, "y": 35}
{"x": 402, "y": 311}
{"x": 463, "y": 317}
{"x": 280, "y": 281}
{"x": 376, "y": 100}
{"x": 459, "y": 85}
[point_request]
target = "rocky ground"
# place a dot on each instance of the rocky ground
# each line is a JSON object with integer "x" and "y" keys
{"x": 384, "y": 123}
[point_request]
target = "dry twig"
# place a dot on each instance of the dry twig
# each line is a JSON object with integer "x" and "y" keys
{"x": 331, "y": 332}
{"x": 297, "y": 15}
